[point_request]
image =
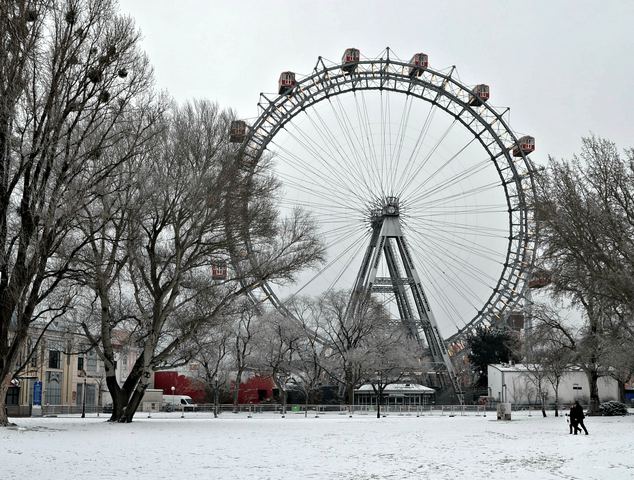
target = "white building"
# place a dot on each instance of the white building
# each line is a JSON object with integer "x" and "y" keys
{"x": 396, "y": 394}
{"x": 516, "y": 384}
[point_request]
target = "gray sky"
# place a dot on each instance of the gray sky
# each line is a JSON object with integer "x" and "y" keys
{"x": 564, "y": 67}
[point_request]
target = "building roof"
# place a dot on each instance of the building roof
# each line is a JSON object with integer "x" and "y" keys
{"x": 398, "y": 388}
{"x": 520, "y": 367}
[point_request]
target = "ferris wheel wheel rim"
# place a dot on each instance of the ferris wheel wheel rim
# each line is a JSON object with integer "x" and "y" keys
{"x": 523, "y": 258}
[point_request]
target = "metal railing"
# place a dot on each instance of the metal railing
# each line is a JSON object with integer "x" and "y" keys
{"x": 313, "y": 409}
{"x": 252, "y": 410}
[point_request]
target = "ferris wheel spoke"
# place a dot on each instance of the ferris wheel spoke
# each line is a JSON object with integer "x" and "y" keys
{"x": 425, "y": 160}
{"x": 326, "y": 208}
{"x": 454, "y": 180}
{"x": 363, "y": 164}
{"x": 444, "y": 273}
{"x": 349, "y": 252}
{"x": 416, "y": 148}
{"x": 464, "y": 209}
{"x": 449, "y": 161}
{"x": 339, "y": 162}
{"x": 302, "y": 165}
{"x": 435, "y": 248}
{"x": 395, "y": 154}
{"x": 363, "y": 159}
{"x": 388, "y": 111}
{"x": 379, "y": 158}
{"x": 301, "y": 184}
{"x": 355, "y": 169}
{"x": 441, "y": 297}
{"x": 441, "y": 246}
{"x": 340, "y": 232}
{"x": 318, "y": 183}
{"x": 472, "y": 247}
{"x": 459, "y": 227}
{"x": 365, "y": 129}
{"x": 424, "y": 204}
{"x": 353, "y": 156}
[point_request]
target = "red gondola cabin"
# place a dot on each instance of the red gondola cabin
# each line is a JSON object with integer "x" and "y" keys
{"x": 539, "y": 279}
{"x": 479, "y": 95}
{"x": 350, "y": 60}
{"x": 287, "y": 83}
{"x": 237, "y": 131}
{"x": 218, "y": 272}
{"x": 418, "y": 64}
{"x": 524, "y": 146}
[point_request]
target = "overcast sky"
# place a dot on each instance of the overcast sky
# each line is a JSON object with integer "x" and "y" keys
{"x": 564, "y": 67}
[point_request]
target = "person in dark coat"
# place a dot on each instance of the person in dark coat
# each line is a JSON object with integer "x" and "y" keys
{"x": 572, "y": 422}
{"x": 576, "y": 415}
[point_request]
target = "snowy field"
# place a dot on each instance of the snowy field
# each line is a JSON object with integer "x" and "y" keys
{"x": 331, "y": 446}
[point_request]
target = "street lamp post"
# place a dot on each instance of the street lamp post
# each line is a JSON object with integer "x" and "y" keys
{"x": 83, "y": 397}
{"x": 216, "y": 397}
{"x": 173, "y": 399}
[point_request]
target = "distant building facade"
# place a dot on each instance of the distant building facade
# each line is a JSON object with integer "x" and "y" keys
{"x": 60, "y": 366}
{"x": 516, "y": 384}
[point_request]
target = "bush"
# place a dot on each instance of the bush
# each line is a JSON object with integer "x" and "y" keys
{"x": 613, "y": 408}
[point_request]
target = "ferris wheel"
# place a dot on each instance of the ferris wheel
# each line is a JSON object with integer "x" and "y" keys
{"x": 418, "y": 186}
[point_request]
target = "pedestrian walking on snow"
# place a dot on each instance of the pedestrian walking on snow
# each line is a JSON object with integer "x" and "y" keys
{"x": 577, "y": 416}
{"x": 572, "y": 423}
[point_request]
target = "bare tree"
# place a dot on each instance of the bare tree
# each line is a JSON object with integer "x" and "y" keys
{"x": 585, "y": 207}
{"x": 388, "y": 356}
{"x": 346, "y": 335}
{"x": 187, "y": 204}
{"x": 306, "y": 365}
{"x": 277, "y": 343}
{"x": 245, "y": 329}
{"x": 70, "y": 72}
{"x": 212, "y": 356}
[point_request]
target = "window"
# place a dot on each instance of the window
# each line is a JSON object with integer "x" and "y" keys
{"x": 53, "y": 388}
{"x": 80, "y": 363}
{"x": 91, "y": 394}
{"x": 54, "y": 357}
{"x": 13, "y": 396}
{"x": 91, "y": 361}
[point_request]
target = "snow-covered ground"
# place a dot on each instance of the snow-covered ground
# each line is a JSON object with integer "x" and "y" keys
{"x": 332, "y": 446}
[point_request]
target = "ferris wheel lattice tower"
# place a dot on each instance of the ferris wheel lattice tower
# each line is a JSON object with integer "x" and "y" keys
{"x": 388, "y": 242}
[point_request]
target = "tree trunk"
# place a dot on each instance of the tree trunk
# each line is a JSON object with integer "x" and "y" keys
{"x": 216, "y": 398}
{"x": 134, "y": 403}
{"x": 593, "y": 377}
{"x": 236, "y": 390}
{"x": 4, "y": 388}
{"x": 378, "y": 404}
{"x": 349, "y": 387}
{"x": 123, "y": 408}
{"x": 621, "y": 385}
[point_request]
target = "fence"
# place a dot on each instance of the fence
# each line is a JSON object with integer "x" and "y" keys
{"x": 363, "y": 410}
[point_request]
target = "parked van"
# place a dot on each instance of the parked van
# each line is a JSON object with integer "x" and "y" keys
{"x": 178, "y": 402}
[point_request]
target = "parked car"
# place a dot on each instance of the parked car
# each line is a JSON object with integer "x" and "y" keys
{"x": 178, "y": 402}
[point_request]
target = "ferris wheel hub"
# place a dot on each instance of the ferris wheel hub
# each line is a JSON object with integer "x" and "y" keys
{"x": 386, "y": 207}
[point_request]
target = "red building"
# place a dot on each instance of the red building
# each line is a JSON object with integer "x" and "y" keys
{"x": 255, "y": 389}
{"x": 182, "y": 385}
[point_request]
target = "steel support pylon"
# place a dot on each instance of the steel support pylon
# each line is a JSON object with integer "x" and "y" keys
{"x": 388, "y": 242}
